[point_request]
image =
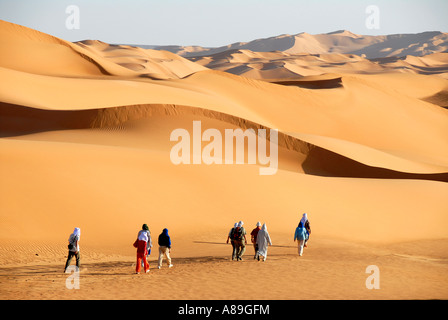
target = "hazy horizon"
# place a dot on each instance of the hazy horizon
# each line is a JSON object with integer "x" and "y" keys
{"x": 215, "y": 23}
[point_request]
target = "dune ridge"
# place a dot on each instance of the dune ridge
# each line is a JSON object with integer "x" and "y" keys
{"x": 284, "y": 65}
{"x": 86, "y": 58}
{"x": 319, "y": 160}
{"x": 247, "y": 103}
{"x": 341, "y": 41}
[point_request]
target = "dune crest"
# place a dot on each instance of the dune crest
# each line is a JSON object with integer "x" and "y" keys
{"x": 341, "y": 41}
{"x": 86, "y": 58}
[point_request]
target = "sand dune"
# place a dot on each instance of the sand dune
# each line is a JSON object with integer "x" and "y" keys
{"x": 85, "y": 58}
{"x": 88, "y": 93}
{"x": 341, "y": 41}
{"x": 282, "y": 65}
{"x": 290, "y": 56}
{"x": 85, "y": 141}
{"x": 155, "y": 64}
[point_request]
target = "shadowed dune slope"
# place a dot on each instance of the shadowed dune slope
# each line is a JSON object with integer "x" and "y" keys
{"x": 17, "y": 121}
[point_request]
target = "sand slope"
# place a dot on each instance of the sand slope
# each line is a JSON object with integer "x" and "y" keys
{"x": 85, "y": 141}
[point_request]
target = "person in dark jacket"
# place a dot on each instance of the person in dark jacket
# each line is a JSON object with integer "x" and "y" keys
{"x": 164, "y": 248}
{"x": 253, "y": 238}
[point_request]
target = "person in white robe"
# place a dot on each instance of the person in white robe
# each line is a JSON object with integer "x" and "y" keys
{"x": 263, "y": 240}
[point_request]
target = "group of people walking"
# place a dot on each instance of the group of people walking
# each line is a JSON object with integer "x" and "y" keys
{"x": 237, "y": 236}
{"x": 261, "y": 239}
{"x": 143, "y": 244}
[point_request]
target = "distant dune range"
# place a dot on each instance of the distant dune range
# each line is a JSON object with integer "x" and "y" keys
{"x": 304, "y": 54}
{"x": 341, "y": 41}
{"x": 85, "y": 139}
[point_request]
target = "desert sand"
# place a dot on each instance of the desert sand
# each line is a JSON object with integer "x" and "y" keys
{"x": 85, "y": 142}
{"x": 339, "y": 42}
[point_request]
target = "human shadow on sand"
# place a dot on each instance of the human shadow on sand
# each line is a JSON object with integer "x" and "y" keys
{"x": 223, "y": 243}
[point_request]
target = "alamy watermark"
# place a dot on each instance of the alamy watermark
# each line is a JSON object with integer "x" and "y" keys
{"x": 373, "y": 18}
{"x": 72, "y": 281}
{"x": 73, "y": 21}
{"x": 213, "y": 151}
{"x": 373, "y": 280}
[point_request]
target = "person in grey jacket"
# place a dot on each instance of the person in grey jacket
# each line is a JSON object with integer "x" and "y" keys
{"x": 73, "y": 249}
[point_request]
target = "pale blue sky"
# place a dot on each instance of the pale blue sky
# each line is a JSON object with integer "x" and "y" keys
{"x": 218, "y": 22}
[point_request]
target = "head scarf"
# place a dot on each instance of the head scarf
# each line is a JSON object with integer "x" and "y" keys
{"x": 263, "y": 240}
{"x": 304, "y": 219}
{"x": 77, "y": 232}
{"x": 143, "y": 235}
{"x": 262, "y": 233}
{"x": 235, "y": 225}
{"x": 258, "y": 224}
{"x": 145, "y": 227}
{"x": 240, "y": 224}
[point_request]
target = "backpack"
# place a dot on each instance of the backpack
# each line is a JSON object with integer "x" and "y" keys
{"x": 237, "y": 234}
{"x": 71, "y": 242}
